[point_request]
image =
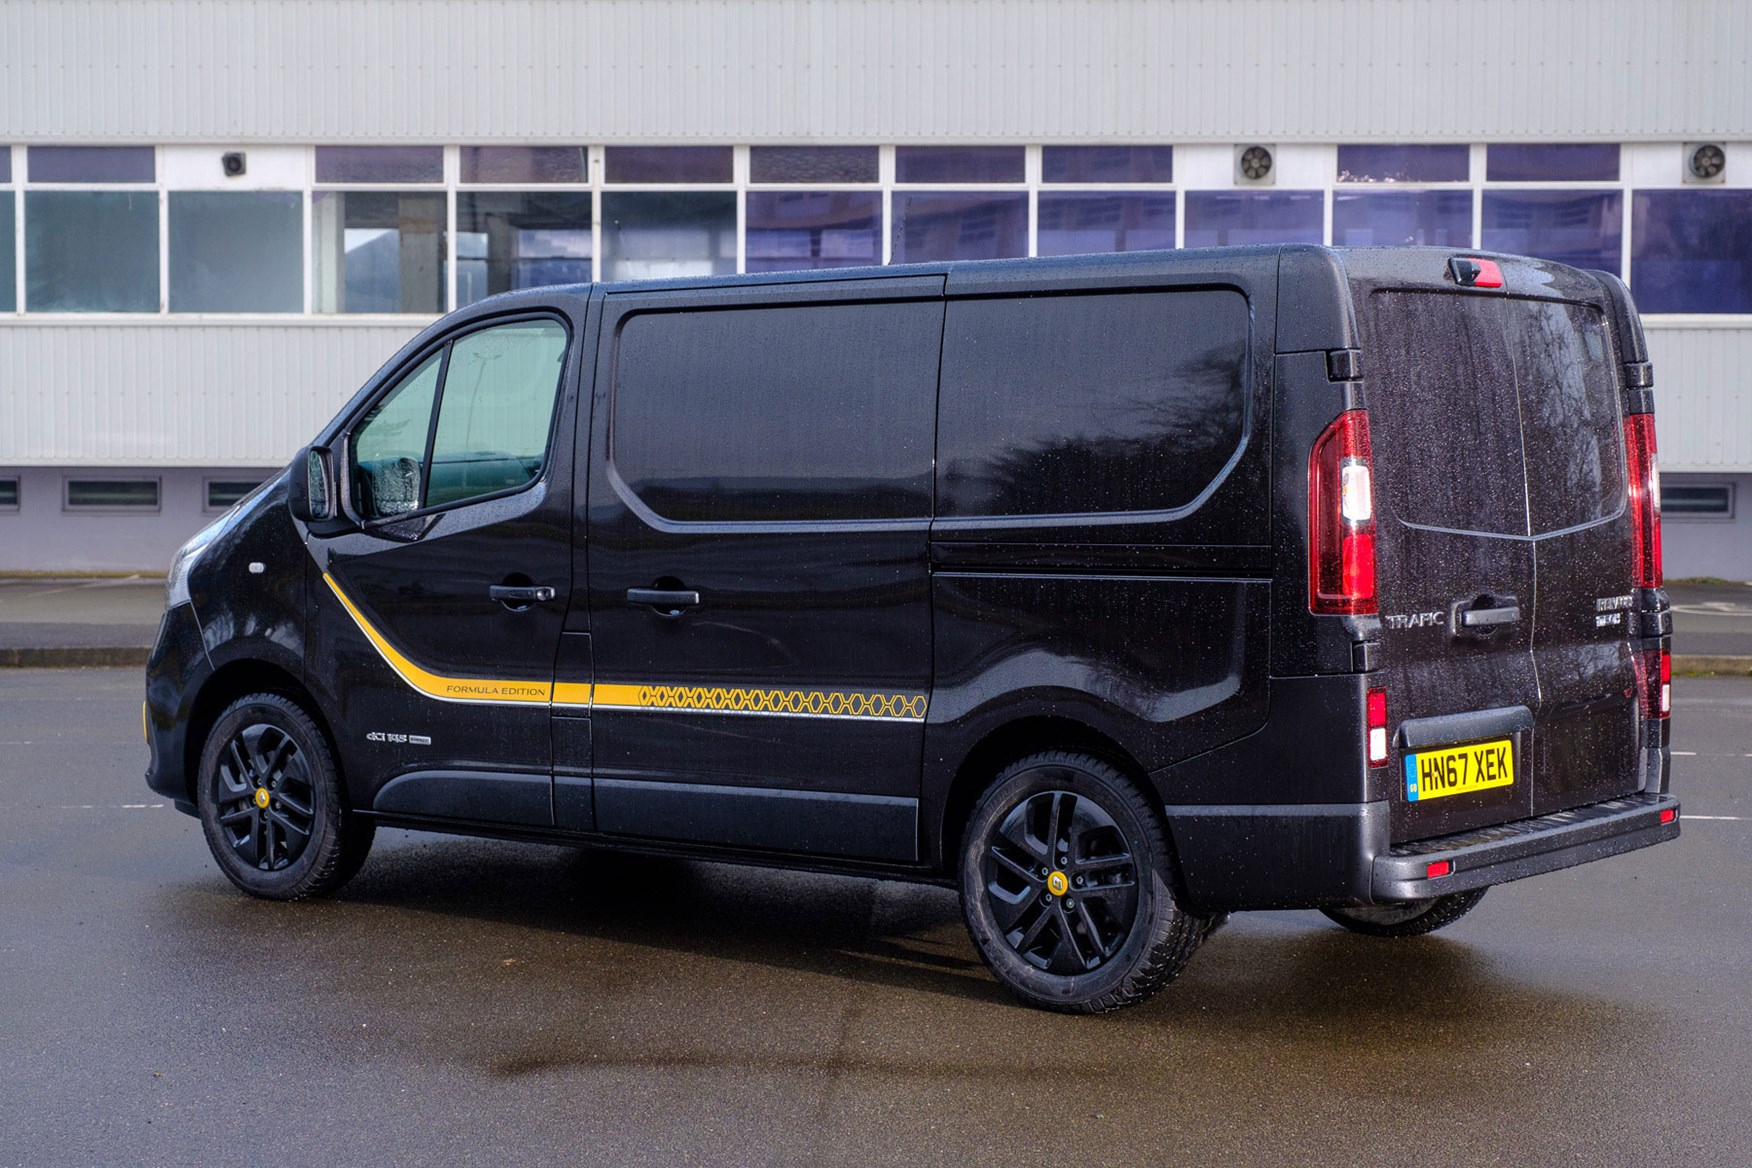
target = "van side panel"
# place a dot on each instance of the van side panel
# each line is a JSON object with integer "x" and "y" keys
{"x": 1101, "y": 546}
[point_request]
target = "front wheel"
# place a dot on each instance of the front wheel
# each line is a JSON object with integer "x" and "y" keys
{"x": 269, "y": 799}
{"x": 1413, "y": 918}
{"x": 1065, "y": 883}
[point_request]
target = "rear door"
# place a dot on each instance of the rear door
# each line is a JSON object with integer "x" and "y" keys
{"x": 1503, "y": 542}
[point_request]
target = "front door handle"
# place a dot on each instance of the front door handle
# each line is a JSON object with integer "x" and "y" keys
{"x": 521, "y": 594}
{"x": 667, "y": 601}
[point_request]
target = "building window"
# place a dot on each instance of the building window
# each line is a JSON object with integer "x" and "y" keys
{"x": 813, "y": 164}
{"x": 8, "y": 250}
{"x": 1698, "y": 500}
{"x": 8, "y": 494}
{"x": 525, "y": 164}
{"x": 91, "y": 251}
{"x": 236, "y": 251}
{"x": 960, "y": 164}
{"x": 1107, "y": 164}
{"x": 379, "y": 164}
{"x": 1691, "y": 250}
{"x": 92, "y": 164}
{"x": 648, "y": 235}
{"x": 662, "y": 165}
{"x": 1404, "y": 164}
{"x": 1071, "y": 223}
{"x": 225, "y": 493}
{"x": 1224, "y": 218}
{"x": 5, "y": 163}
{"x": 959, "y": 225}
{"x": 1583, "y": 228}
{"x": 377, "y": 251}
{"x": 1374, "y": 218}
{"x": 506, "y": 240}
{"x": 111, "y": 495}
{"x": 789, "y": 230}
{"x": 1551, "y": 162}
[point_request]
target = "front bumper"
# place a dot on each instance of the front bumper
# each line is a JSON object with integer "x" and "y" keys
{"x": 174, "y": 674}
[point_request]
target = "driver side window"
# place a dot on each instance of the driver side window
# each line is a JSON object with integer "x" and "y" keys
{"x": 472, "y": 420}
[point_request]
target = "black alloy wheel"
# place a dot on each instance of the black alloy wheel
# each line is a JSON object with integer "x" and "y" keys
{"x": 269, "y": 798}
{"x": 1061, "y": 883}
{"x": 1066, "y": 883}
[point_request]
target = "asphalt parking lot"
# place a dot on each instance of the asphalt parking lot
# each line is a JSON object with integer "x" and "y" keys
{"x": 473, "y": 1002}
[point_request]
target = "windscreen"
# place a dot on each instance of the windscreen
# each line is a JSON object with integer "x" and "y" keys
{"x": 1493, "y": 414}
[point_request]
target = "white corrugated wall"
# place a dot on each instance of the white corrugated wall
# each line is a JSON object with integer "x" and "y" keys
{"x": 178, "y": 394}
{"x": 1703, "y": 410}
{"x": 873, "y": 70}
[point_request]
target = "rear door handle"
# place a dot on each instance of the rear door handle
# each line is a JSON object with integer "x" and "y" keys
{"x": 521, "y": 593}
{"x": 667, "y": 601}
{"x": 1484, "y": 618}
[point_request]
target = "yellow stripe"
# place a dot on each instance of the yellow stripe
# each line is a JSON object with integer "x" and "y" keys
{"x": 436, "y": 685}
{"x": 801, "y": 703}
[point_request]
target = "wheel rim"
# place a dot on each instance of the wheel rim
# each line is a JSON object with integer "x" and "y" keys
{"x": 1061, "y": 883}
{"x": 263, "y": 796}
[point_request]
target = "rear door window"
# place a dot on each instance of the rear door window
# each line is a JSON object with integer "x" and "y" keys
{"x": 1084, "y": 404}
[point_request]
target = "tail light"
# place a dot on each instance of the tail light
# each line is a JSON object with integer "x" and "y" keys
{"x": 1645, "y": 501}
{"x": 1377, "y": 727}
{"x": 1341, "y": 518}
{"x": 1654, "y": 674}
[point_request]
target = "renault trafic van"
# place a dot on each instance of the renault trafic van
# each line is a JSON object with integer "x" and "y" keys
{"x": 1120, "y": 592}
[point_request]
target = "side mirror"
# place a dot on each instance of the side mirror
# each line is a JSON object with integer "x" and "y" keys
{"x": 312, "y": 487}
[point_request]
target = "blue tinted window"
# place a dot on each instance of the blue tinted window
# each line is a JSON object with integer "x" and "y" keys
{"x": 1583, "y": 228}
{"x": 8, "y": 261}
{"x": 789, "y": 230}
{"x": 1221, "y": 218}
{"x": 93, "y": 164}
{"x": 1691, "y": 251}
{"x": 1074, "y": 223}
{"x": 1403, "y": 163}
{"x": 648, "y": 235}
{"x": 5, "y": 164}
{"x": 507, "y": 240}
{"x": 380, "y": 164}
{"x": 958, "y": 164}
{"x": 668, "y": 164}
{"x": 1375, "y": 218}
{"x": 1551, "y": 162}
{"x": 91, "y": 251}
{"x": 812, "y": 164}
{"x": 971, "y": 225}
{"x": 1107, "y": 164}
{"x": 524, "y": 164}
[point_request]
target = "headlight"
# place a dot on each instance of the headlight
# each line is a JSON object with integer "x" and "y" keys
{"x": 176, "y": 581}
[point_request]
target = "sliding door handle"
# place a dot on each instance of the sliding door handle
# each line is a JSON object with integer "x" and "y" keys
{"x": 667, "y": 601}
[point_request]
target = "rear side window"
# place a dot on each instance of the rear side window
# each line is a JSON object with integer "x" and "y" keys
{"x": 1065, "y": 405}
{"x": 795, "y": 412}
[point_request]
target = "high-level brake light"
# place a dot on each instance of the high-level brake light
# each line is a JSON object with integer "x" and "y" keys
{"x": 1645, "y": 501}
{"x": 1341, "y": 518}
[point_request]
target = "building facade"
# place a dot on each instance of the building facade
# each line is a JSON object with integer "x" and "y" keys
{"x": 218, "y": 218}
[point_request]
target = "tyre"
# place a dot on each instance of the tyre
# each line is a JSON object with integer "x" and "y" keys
{"x": 1414, "y": 918}
{"x": 270, "y": 802}
{"x": 1066, "y": 886}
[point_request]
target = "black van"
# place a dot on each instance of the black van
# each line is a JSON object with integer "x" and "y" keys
{"x": 1119, "y": 591}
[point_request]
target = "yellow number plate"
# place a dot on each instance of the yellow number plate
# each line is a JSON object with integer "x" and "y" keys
{"x": 1459, "y": 770}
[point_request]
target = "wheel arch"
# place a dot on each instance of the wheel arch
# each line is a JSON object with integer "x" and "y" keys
{"x": 234, "y": 680}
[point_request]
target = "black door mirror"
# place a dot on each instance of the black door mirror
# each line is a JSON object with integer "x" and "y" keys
{"x": 312, "y": 487}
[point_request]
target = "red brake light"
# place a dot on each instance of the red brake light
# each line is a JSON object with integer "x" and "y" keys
{"x": 1654, "y": 676}
{"x": 1439, "y": 868}
{"x": 1669, "y": 814}
{"x": 1471, "y": 273}
{"x": 1645, "y": 501}
{"x": 1341, "y": 518}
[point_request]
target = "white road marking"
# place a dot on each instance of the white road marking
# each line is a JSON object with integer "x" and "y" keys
{"x": 1684, "y": 754}
{"x": 1719, "y": 818}
{"x": 107, "y": 806}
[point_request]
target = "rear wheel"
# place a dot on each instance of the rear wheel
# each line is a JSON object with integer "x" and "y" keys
{"x": 1066, "y": 888}
{"x": 1414, "y": 918}
{"x": 270, "y": 805}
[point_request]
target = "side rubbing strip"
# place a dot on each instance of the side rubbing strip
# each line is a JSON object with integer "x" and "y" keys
{"x": 861, "y": 705}
{"x": 434, "y": 685}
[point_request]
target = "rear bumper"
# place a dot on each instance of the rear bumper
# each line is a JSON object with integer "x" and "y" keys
{"x": 1306, "y": 856}
{"x": 1527, "y": 847}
